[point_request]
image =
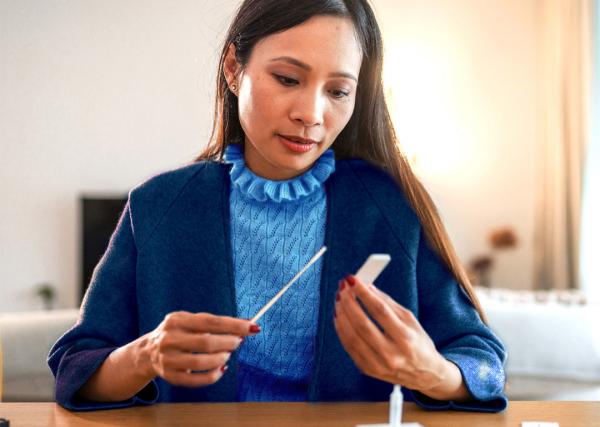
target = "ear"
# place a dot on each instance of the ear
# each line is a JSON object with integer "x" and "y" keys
{"x": 231, "y": 69}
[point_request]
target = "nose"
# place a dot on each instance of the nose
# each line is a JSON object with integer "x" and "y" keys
{"x": 308, "y": 108}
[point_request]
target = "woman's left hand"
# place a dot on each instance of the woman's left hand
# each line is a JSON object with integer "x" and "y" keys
{"x": 403, "y": 353}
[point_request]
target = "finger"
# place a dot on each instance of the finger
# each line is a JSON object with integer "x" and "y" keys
{"x": 381, "y": 311}
{"x": 366, "y": 360}
{"x": 389, "y": 356}
{"x": 362, "y": 355}
{"x": 181, "y": 361}
{"x": 202, "y": 342}
{"x": 206, "y": 322}
{"x": 402, "y": 312}
{"x": 188, "y": 379}
{"x": 390, "y": 366}
{"x": 360, "y": 322}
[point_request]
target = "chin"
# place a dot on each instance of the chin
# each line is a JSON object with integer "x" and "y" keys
{"x": 300, "y": 164}
{"x": 296, "y": 168}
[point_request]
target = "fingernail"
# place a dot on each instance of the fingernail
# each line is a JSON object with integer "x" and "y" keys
{"x": 350, "y": 279}
{"x": 334, "y": 314}
{"x": 254, "y": 329}
{"x": 342, "y": 285}
{"x": 337, "y": 296}
{"x": 224, "y": 368}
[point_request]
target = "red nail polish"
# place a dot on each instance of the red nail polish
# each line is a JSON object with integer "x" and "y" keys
{"x": 342, "y": 285}
{"x": 337, "y": 296}
{"x": 350, "y": 279}
{"x": 254, "y": 329}
{"x": 224, "y": 368}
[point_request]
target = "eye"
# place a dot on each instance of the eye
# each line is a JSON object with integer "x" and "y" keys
{"x": 286, "y": 81}
{"x": 339, "y": 93}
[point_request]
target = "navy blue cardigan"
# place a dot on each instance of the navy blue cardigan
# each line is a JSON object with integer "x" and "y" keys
{"x": 172, "y": 251}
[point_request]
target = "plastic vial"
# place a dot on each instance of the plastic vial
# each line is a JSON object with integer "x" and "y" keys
{"x": 396, "y": 401}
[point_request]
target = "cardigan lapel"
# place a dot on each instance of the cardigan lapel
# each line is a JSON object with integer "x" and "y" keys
{"x": 342, "y": 252}
{"x": 354, "y": 230}
{"x": 212, "y": 281}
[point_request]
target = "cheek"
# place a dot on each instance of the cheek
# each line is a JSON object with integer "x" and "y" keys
{"x": 256, "y": 105}
{"x": 340, "y": 116}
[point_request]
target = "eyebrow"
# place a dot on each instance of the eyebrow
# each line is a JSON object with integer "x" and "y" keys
{"x": 307, "y": 67}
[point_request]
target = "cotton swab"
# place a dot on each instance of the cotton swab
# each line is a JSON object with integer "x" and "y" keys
{"x": 290, "y": 283}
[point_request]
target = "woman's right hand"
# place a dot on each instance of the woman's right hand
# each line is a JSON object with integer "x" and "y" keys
{"x": 187, "y": 342}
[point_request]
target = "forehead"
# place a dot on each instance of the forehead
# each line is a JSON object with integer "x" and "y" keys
{"x": 323, "y": 42}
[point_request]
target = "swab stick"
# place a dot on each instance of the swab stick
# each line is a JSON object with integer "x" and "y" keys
{"x": 286, "y": 287}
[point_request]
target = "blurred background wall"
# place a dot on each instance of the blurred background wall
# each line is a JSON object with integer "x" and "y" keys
{"x": 96, "y": 97}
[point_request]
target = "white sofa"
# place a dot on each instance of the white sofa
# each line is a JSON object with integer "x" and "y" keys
{"x": 25, "y": 340}
{"x": 552, "y": 340}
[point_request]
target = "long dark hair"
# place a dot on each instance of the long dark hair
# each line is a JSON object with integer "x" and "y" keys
{"x": 369, "y": 133}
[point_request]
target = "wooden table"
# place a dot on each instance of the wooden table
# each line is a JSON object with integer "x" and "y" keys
{"x": 567, "y": 414}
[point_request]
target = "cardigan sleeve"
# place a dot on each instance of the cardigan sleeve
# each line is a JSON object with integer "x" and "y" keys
{"x": 449, "y": 317}
{"x": 107, "y": 321}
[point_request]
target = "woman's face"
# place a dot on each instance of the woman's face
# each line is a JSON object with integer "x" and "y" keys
{"x": 300, "y": 83}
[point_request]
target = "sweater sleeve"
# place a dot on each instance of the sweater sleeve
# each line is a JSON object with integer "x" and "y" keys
{"x": 449, "y": 317}
{"x": 107, "y": 321}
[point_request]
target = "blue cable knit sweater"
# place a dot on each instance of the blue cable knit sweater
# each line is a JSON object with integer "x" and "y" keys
{"x": 276, "y": 227}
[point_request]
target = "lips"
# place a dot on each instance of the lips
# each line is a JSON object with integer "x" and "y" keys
{"x": 299, "y": 139}
{"x": 296, "y": 146}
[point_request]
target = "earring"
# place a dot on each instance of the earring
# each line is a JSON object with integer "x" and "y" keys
{"x": 233, "y": 87}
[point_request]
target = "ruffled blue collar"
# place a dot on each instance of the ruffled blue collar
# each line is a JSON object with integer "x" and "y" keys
{"x": 262, "y": 189}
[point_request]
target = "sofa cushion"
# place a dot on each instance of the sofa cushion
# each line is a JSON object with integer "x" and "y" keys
{"x": 552, "y": 341}
{"x": 26, "y": 338}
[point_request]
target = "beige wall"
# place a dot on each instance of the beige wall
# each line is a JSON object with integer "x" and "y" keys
{"x": 463, "y": 78}
{"x": 97, "y": 96}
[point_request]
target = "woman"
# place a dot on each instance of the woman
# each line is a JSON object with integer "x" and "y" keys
{"x": 303, "y": 154}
